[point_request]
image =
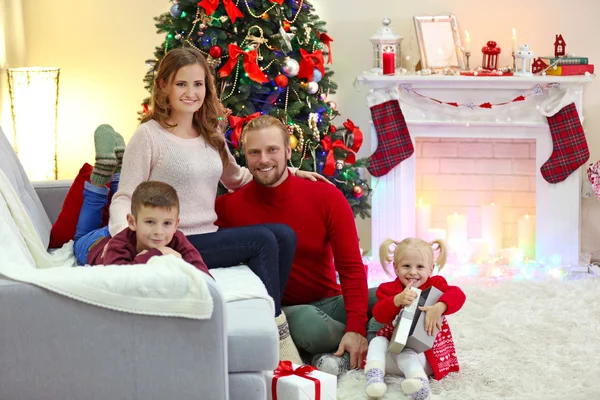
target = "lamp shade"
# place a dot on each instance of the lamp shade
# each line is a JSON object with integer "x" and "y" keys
{"x": 34, "y": 107}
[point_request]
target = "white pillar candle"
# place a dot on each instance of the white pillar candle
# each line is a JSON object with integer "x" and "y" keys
{"x": 491, "y": 227}
{"x": 432, "y": 234}
{"x": 479, "y": 249}
{"x": 423, "y": 218}
{"x": 512, "y": 255}
{"x": 456, "y": 231}
{"x": 526, "y": 235}
{"x": 467, "y": 42}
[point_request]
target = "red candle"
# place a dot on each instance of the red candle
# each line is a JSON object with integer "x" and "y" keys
{"x": 389, "y": 60}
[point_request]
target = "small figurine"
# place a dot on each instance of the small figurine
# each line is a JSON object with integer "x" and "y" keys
{"x": 559, "y": 47}
{"x": 538, "y": 66}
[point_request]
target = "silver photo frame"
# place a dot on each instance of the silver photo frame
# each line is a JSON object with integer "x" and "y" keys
{"x": 439, "y": 42}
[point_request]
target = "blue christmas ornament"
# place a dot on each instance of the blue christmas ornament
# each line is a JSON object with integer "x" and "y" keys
{"x": 175, "y": 11}
{"x": 317, "y": 76}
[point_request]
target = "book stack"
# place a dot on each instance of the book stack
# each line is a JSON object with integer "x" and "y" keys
{"x": 569, "y": 66}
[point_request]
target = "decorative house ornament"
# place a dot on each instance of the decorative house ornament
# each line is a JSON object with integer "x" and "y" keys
{"x": 490, "y": 56}
{"x": 559, "y": 46}
{"x": 386, "y": 49}
{"x": 538, "y": 66}
{"x": 523, "y": 61}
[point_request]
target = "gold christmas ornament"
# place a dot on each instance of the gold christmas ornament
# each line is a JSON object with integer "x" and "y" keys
{"x": 293, "y": 141}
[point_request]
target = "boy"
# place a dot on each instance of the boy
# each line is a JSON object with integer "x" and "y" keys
{"x": 152, "y": 224}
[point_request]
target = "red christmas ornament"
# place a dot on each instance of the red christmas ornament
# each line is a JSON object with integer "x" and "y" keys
{"x": 215, "y": 52}
{"x": 281, "y": 80}
{"x": 358, "y": 191}
{"x": 286, "y": 26}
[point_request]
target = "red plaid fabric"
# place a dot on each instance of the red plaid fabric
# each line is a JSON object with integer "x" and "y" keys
{"x": 394, "y": 143}
{"x": 570, "y": 149}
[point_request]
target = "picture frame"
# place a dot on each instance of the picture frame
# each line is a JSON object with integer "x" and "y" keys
{"x": 439, "y": 42}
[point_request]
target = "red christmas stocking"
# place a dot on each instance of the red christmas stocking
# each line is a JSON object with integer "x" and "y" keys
{"x": 570, "y": 149}
{"x": 394, "y": 144}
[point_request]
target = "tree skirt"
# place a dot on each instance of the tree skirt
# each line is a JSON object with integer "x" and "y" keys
{"x": 517, "y": 340}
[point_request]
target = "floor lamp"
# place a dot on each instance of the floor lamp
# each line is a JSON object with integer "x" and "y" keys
{"x": 34, "y": 106}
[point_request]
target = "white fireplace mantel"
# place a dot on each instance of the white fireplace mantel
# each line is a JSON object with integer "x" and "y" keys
{"x": 557, "y": 205}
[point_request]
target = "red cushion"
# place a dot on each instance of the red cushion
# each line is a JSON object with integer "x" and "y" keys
{"x": 64, "y": 228}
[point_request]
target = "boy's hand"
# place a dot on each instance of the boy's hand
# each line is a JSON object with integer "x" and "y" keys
{"x": 433, "y": 315}
{"x": 167, "y": 250}
{"x": 405, "y": 297}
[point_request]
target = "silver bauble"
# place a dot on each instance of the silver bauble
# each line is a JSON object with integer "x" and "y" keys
{"x": 313, "y": 87}
{"x": 290, "y": 67}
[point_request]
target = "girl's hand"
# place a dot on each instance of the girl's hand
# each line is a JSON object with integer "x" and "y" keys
{"x": 433, "y": 315}
{"x": 313, "y": 176}
{"x": 406, "y": 297}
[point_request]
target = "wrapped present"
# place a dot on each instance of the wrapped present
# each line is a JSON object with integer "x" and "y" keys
{"x": 300, "y": 382}
{"x": 410, "y": 326}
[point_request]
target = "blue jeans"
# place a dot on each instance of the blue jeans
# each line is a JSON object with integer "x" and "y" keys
{"x": 89, "y": 225}
{"x": 268, "y": 249}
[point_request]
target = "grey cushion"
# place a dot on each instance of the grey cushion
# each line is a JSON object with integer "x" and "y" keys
{"x": 12, "y": 168}
{"x": 253, "y": 338}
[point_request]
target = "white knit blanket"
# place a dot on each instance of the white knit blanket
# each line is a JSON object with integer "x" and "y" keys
{"x": 165, "y": 286}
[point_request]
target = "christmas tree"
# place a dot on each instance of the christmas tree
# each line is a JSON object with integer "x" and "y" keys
{"x": 270, "y": 57}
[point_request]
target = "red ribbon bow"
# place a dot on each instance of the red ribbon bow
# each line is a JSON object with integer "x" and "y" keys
{"x": 330, "y": 147}
{"x": 280, "y": 2}
{"x": 252, "y": 69}
{"x": 237, "y": 124}
{"x": 309, "y": 62}
{"x": 358, "y": 135}
{"x": 326, "y": 39}
{"x": 210, "y": 6}
{"x": 285, "y": 368}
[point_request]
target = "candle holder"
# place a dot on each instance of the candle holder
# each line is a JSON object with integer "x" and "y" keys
{"x": 514, "y": 61}
{"x": 467, "y": 55}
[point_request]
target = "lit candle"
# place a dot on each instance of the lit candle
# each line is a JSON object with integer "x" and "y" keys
{"x": 467, "y": 42}
{"x": 389, "y": 61}
{"x": 491, "y": 227}
{"x": 480, "y": 250}
{"x": 526, "y": 235}
{"x": 423, "y": 218}
{"x": 514, "y": 40}
{"x": 512, "y": 255}
{"x": 456, "y": 231}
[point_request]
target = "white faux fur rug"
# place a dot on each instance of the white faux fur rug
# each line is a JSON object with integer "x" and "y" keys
{"x": 517, "y": 340}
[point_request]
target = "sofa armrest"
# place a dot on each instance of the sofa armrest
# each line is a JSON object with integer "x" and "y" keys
{"x": 56, "y": 348}
{"x": 52, "y": 195}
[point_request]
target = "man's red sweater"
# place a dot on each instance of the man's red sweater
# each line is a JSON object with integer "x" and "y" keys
{"x": 325, "y": 230}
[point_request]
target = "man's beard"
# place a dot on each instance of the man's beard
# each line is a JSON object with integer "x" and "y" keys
{"x": 271, "y": 179}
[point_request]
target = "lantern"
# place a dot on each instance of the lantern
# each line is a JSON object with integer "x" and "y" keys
{"x": 523, "y": 61}
{"x": 490, "y": 56}
{"x": 386, "y": 49}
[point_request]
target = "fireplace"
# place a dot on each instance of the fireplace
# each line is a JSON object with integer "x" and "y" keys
{"x": 517, "y": 127}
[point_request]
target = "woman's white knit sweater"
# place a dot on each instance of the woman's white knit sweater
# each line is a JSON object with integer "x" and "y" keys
{"x": 191, "y": 166}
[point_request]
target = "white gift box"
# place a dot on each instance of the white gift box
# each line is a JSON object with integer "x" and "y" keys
{"x": 299, "y": 387}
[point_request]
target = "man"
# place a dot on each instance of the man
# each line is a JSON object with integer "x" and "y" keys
{"x": 323, "y": 316}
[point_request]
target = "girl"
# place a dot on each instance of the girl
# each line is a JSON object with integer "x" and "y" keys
{"x": 413, "y": 264}
{"x": 180, "y": 142}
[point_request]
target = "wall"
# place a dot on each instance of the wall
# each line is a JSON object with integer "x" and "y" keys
{"x": 460, "y": 175}
{"x": 101, "y": 48}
